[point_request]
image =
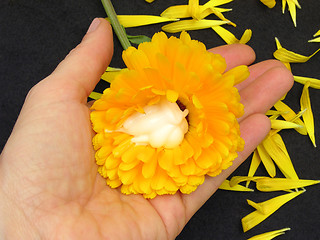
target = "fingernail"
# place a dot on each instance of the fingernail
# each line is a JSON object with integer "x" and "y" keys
{"x": 94, "y": 25}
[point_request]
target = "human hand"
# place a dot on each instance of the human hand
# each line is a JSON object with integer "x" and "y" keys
{"x": 49, "y": 185}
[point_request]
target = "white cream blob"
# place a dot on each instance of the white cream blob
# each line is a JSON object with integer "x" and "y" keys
{"x": 162, "y": 125}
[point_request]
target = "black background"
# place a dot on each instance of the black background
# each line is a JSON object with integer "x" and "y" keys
{"x": 35, "y": 35}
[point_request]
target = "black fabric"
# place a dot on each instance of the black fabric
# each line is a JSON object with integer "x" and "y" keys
{"x": 35, "y": 35}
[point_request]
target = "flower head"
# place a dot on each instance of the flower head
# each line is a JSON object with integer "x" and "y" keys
{"x": 169, "y": 119}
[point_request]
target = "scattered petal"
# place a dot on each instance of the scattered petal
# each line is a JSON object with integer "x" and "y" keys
{"x": 288, "y": 114}
{"x": 265, "y": 209}
{"x": 95, "y": 95}
{"x": 128, "y": 21}
{"x": 255, "y": 162}
{"x": 226, "y": 186}
{"x": 269, "y": 3}
{"x": 285, "y": 55}
{"x": 229, "y": 38}
{"x": 308, "y": 115}
{"x": 275, "y": 147}
{"x": 314, "y": 83}
{"x": 282, "y": 124}
{"x": 282, "y": 184}
{"x": 187, "y": 25}
{"x": 269, "y": 235}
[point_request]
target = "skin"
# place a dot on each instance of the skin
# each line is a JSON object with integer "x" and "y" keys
{"x": 49, "y": 184}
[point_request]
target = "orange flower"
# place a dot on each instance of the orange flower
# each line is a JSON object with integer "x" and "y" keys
{"x": 169, "y": 119}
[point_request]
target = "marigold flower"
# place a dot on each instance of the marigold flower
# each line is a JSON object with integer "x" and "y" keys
{"x": 197, "y": 133}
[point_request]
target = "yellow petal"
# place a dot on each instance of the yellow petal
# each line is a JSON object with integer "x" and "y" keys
{"x": 149, "y": 1}
{"x": 308, "y": 115}
{"x": 179, "y": 11}
{"x": 187, "y": 25}
{"x": 229, "y": 38}
{"x": 275, "y": 147}
{"x": 269, "y": 235}
{"x": 278, "y": 44}
{"x": 246, "y": 36}
{"x": 128, "y": 21}
{"x": 285, "y": 55}
{"x": 314, "y": 83}
{"x": 266, "y": 209}
{"x": 238, "y": 179}
{"x": 226, "y": 186}
{"x": 269, "y": 3}
{"x": 288, "y": 114}
{"x": 255, "y": 162}
{"x": 110, "y": 74}
{"x": 292, "y": 10}
{"x": 282, "y": 124}
{"x": 95, "y": 95}
{"x": 279, "y": 184}
{"x": 194, "y": 9}
{"x": 240, "y": 73}
{"x": 315, "y": 40}
{"x": 266, "y": 160}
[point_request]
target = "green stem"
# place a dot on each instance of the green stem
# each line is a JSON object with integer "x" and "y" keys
{"x": 122, "y": 36}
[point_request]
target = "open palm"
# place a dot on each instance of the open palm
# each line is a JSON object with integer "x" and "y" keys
{"x": 49, "y": 184}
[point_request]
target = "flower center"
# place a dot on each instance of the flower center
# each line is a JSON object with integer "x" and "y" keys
{"x": 162, "y": 125}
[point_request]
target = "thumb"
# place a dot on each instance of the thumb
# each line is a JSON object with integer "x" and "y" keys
{"x": 81, "y": 70}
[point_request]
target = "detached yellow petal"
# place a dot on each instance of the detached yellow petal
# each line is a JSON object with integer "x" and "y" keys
{"x": 110, "y": 74}
{"x": 275, "y": 147}
{"x": 282, "y": 124}
{"x": 315, "y": 40}
{"x": 285, "y": 55}
{"x": 95, "y": 95}
{"x": 240, "y": 73}
{"x": 226, "y": 186}
{"x": 315, "y": 35}
{"x": 308, "y": 115}
{"x": 269, "y": 3}
{"x": 179, "y": 11}
{"x": 314, "y": 83}
{"x": 141, "y": 20}
{"x": 229, "y": 38}
{"x": 280, "y": 184}
{"x": 266, "y": 160}
{"x": 269, "y": 235}
{"x": 266, "y": 209}
{"x": 288, "y": 114}
{"x": 187, "y": 25}
{"x": 238, "y": 179}
{"x": 278, "y": 44}
{"x": 255, "y": 162}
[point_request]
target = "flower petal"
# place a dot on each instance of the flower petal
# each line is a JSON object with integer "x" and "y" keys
{"x": 269, "y": 235}
{"x": 279, "y": 184}
{"x": 128, "y": 21}
{"x": 255, "y": 162}
{"x": 187, "y": 25}
{"x": 314, "y": 83}
{"x": 269, "y": 3}
{"x": 285, "y": 55}
{"x": 275, "y": 147}
{"x": 308, "y": 115}
{"x": 226, "y": 186}
{"x": 266, "y": 209}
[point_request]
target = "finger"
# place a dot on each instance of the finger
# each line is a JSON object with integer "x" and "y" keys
{"x": 257, "y": 70}
{"x": 235, "y": 54}
{"x": 261, "y": 94}
{"x": 81, "y": 70}
{"x": 253, "y": 131}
